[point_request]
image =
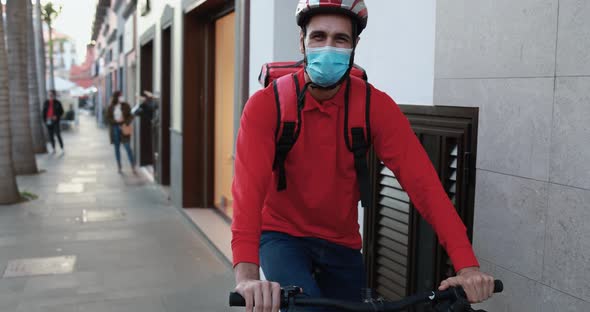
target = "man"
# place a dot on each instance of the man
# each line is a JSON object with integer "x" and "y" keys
{"x": 52, "y": 112}
{"x": 70, "y": 114}
{"x": 146, "y": 106}
{"x": 308, "y": 234}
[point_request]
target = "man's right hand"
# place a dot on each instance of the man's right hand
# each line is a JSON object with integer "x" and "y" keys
{"x": 260, "y": 296}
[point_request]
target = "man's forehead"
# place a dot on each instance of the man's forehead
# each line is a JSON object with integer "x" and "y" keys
{"x": 330, "y": 23}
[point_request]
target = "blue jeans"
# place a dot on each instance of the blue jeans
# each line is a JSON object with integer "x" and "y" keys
{"x": 117, "y": 142}
{"x": 321, "y": 268}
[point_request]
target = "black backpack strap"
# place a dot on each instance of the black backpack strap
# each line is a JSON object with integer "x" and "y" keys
{"x": 283, "y": 146}
{"x": 360, "y": 144}
{"x": 288, "y": 124}
{"x": 360, "y": 148}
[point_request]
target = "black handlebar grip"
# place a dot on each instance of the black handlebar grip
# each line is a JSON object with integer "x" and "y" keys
{"x": 236, "y": 300}
{"x": 498, "y": 286}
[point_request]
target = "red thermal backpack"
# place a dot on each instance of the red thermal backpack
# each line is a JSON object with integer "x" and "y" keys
{"x": 290, "y": 101}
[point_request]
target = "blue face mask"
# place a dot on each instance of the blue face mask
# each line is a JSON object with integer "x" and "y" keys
{"x": 326, "y": 65}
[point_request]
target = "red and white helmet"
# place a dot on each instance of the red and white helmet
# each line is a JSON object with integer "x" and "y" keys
{"x": 353, "y": 8}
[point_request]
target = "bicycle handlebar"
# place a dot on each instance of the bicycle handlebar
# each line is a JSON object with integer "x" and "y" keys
{"x": 236, "y": 300}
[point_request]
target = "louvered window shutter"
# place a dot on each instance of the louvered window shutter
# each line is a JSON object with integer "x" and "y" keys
{"x": 401, "y": 250}
{"x": 392, "y": 225}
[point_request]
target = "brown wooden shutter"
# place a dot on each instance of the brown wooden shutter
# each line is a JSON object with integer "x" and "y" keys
{"x": 401, "y": 250}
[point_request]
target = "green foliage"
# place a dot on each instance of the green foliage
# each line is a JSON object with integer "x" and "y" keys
{"x": 28, "y": 196}
{"x": 50, "y": 12}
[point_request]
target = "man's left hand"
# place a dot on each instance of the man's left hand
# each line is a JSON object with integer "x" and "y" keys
{"x": 477, "y": 285}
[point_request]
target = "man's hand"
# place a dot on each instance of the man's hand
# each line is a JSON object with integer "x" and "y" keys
{"x": 478, "y": 286}
{"x": 260, "y": 296}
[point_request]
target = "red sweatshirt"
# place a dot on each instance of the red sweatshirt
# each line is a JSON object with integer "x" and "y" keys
{"x": 322, "y": 190}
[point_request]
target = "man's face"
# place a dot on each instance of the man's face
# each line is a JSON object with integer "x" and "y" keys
{"x": 52, "y": 95}
{"x": 328, "y": 30}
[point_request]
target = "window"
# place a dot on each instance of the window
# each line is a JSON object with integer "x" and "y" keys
{"x": 121, "y": 44}
{"x": 144, "y": 6}
{"x": 109, "y": 57}
{"x": 120, "y": 80}
{"x": 401, "y": 248}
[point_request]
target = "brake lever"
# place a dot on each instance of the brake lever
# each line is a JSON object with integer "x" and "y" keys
{"x": 460, "y": 304}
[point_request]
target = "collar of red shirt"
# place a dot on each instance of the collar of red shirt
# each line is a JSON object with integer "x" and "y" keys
{"x": 313, "y": 104}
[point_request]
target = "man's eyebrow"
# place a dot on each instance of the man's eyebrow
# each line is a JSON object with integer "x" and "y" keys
{"x": 317, "y": 32}
{"x": 340, "y": 34}
{"x": 345, "y": 35}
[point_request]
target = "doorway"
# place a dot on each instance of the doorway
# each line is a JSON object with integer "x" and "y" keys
{"x": 163, "y": 166}
{"x": 207, "y": 124}
{"x": 146, "y": 83}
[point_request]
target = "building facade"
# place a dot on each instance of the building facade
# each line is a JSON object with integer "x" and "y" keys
{"x": 82, "y": 74}
{"x": 114, "y": 39}
{"x": 64, "y": 53}
{"x": 520, "y": 64}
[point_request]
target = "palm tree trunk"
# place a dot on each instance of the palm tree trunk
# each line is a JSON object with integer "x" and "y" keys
{"x": 51, "y": 74}
{"x": 40, "y": 56}
{"x": 39, "y": 145}
{"x": 40, "y": 42}
{"x": 22, "y": 141}
{"x": 8, "y": 189}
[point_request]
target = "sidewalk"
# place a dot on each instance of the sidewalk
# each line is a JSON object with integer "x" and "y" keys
{"x": 128, "y": 249}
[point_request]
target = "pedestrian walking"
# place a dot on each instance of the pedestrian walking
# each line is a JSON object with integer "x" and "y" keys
{"x": 52, "y": 112}
{"x": 120, "y": 118}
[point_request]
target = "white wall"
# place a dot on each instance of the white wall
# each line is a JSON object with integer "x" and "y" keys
{"x": 287, "y": 39}
{"x": 397, "y": 49}
{"x": 273, "y": 35}
{"x": 261, "y": 38}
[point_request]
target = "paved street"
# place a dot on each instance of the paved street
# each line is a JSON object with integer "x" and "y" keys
{"x": 129, "y": 249}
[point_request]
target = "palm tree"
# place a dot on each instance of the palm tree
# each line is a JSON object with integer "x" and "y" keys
{"x": 8, "y": 190}
{"x": 17, "y": 34}
{"x": 39, "y": 145}
{"x": 41, "y": 59}
{"x": 40, "y": 52}
{"x": 50, "y": 13}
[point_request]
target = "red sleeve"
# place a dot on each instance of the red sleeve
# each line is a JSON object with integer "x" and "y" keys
{"x": 400, "y": 150}
{"x": 255, "y": 149}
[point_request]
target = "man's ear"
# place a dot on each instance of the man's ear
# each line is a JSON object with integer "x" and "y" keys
{"x": 301, "y": 41}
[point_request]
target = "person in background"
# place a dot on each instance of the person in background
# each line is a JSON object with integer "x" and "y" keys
{"x": 146, "y": 107}
{"x": 119, "y": 116}
{"x": 70, "y": 114}
{"x": 52, "y": 112}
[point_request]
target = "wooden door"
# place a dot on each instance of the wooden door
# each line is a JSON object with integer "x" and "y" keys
{"x": 224, "y": 111}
